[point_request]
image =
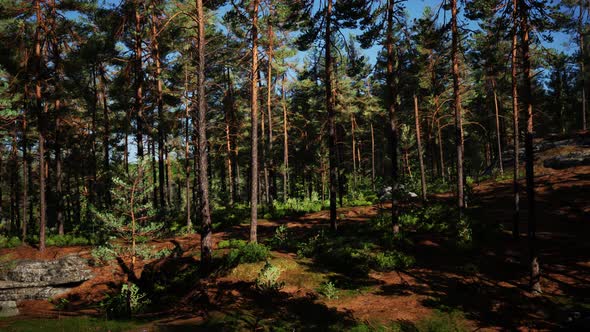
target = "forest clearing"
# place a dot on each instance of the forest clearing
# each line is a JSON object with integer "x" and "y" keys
{"x": 305, "y": 165}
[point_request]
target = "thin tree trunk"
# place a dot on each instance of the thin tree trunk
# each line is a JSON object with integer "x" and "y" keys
{"x": 139, "y": 78}
{"x": 160, "y": 106}
{"x": 285, "y": 142}
{"x": 419, "y": 142}
{"x": 392, "y": 93}
{"x": 582, "y": 61}
{"x": 41, "y": 111}
{"x": 498, "y": 139}
{"x": 105, "y": 140}
{"x": 270, "y": 90}
{"x": 515, "y": 118}
{"x": 25, "y": 167}
{"x": 254, "y": 130}
{"x": 331, "y": 115}
{"x": 373, "y": 157}
{"x": 353, "y": 153}
{"x": 535, "y": 281}
{"x": 457, "y": 106}
{"x": 187, "y": 164}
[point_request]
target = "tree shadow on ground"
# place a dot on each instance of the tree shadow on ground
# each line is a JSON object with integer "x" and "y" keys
{"x": 239, "y": 306}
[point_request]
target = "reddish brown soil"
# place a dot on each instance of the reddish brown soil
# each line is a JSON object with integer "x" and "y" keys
{"x": 489, "y": 285}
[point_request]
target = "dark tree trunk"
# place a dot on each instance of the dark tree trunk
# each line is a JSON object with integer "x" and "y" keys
{"x": 160, "y": 106}
{"x": 330, "y": 106}
{"x": 139, "y": 78}
{"x": 515, "y": 118}
{"x": 41, "y": 110}
{"x": 535, "y": 281}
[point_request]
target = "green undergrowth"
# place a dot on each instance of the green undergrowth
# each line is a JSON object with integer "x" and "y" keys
{"x": 71, "y": 324}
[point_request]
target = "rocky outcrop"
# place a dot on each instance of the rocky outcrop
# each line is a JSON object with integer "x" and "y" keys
{"x": 569, "y": 160}
{"x": 33, "y": 280}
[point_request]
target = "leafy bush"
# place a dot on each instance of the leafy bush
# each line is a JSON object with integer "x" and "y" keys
{"x": 328, "y": 290}
{"x": 392, "y": 260}
{"x": 129, "y": 301}
{"x": 268, "y": 279}
{"x": 242, "y": 252}
{"x": 9, "y": 242}
{"x": 103, "y": 254}
{"x": 231, "y": 243}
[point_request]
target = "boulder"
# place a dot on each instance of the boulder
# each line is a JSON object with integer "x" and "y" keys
{"x": 36, "y": 280}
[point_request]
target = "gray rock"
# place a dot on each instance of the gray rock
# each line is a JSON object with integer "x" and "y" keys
{"x": 8, "y": 309}
{"x": 32, "y": 280}
{"x": 569, "y": 160}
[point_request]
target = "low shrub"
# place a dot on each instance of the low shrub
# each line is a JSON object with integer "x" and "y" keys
{"x": 66, "y": 240}
{"x": 268, "y": 279}
{"x": 281, "y": 239}
{"x": 392, "y": 260}
{"x": 130, "y": 300}
{"x": 247, "y": 253}
{"x": 328, "y": 290}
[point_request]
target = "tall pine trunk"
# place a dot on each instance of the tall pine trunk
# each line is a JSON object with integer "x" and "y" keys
{"x": 41, "y": 113}
{"x": 160, "y": 106}
{"x": 285, "y": 141}
{"x": 139, "y": 78}
{"x": 535, "y": 277}
{"x": 254, "y": 130}
{"x": 457, "y": 107}
{"x": 515, "y": 125}
{"x": 206, "y": 230}
{"x": 270, "y": 138}
{"x": 391, "y": 104}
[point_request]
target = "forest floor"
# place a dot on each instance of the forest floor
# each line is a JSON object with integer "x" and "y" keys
{"x": 481, "y": 289}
